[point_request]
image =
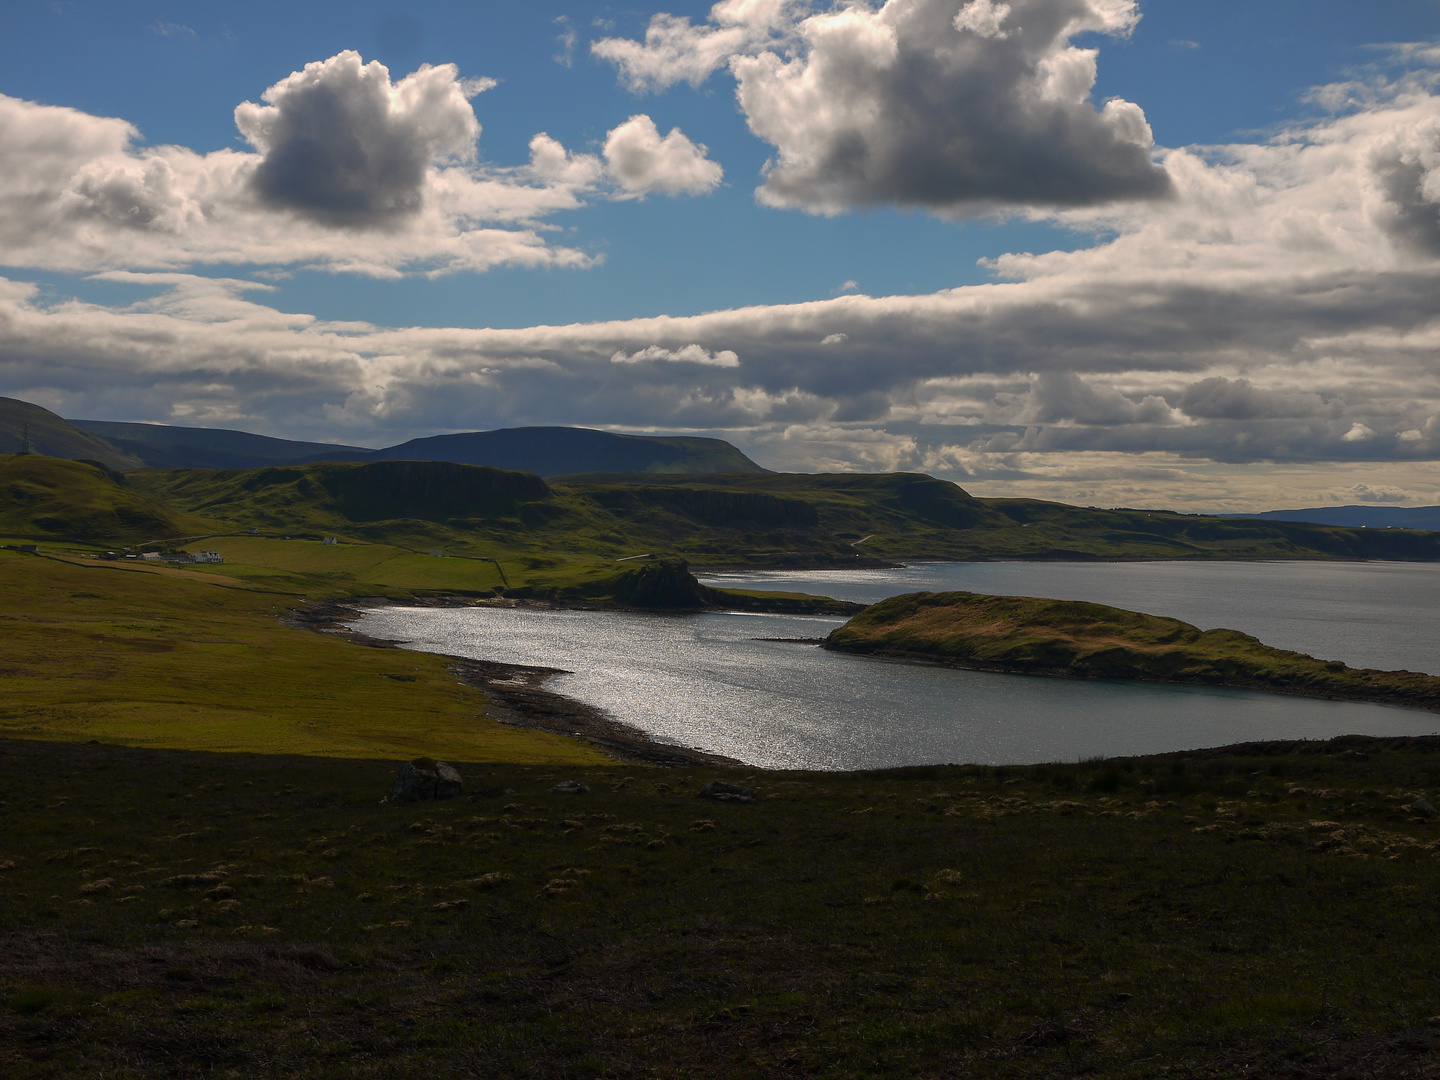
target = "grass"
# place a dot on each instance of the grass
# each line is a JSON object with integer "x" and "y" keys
{"x": 174, "y": 658}
{"x": 771, "y": 519}
{"x": 76, "y": 500}
{"x": 318, "y": 569}
{"x": 1254, "y": 911}
{"x": 1065, "y": 637}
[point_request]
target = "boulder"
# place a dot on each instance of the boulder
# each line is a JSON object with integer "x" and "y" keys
{"x": 426, "y": 779}
{"x": 447, "y": 781}
{"x": 569, "y": 787}
{"x": 1422, "y": 806}
{"x": 723, "y": 792}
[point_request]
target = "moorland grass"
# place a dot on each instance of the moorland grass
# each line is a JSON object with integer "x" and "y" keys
{"x": 165, "y": 657}
{"x": 1262, "y": 911}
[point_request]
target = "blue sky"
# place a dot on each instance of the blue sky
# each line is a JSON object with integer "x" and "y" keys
{"x": 1204, "y": 73}
{"x": 1097, "y": 415}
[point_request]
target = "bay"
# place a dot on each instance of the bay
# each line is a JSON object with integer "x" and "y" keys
{"x": 704, "y": 680}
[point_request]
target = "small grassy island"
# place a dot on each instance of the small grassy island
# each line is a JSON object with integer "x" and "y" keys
{"x": 1093, "y": 641}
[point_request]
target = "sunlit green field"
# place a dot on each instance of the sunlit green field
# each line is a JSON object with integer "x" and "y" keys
{"x": 153, "y": 656}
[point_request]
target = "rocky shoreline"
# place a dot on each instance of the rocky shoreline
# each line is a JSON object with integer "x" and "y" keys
{"x": 515, "y": 693}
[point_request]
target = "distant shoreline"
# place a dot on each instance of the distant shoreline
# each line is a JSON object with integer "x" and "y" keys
{"x": 1022, "y": 635}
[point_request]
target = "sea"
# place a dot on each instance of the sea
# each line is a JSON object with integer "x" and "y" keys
{"x": 721, "y": 682}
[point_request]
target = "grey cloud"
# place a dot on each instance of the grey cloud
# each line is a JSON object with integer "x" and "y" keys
{"x": 1410, "y": 184}
{"x": 928, "y": 115}
{"x": 339, "y": 144}
{"x": 955, "y": 107}
{"x": 1059, "y": 396}
{"x": 1218, "y": 398}
{"x": 354, "y": 173}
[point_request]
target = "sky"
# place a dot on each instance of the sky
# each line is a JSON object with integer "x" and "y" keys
{"x": 1111, "y": 252}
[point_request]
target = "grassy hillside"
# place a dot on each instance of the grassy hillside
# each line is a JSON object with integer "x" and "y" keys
{"x": 420, "y": 504}
{"x": 769, "y": 519}
{"x": 838, "y": 520}
{"x": 54, "y": 437}
{"x": 1260, "y": 911}
{"x": 145, "y": 656}
{"x": 47, "y": 497}
{"x": 1065, "y": 637}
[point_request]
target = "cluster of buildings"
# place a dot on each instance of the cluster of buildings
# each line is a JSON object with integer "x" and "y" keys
{"x": 172, "y": 557}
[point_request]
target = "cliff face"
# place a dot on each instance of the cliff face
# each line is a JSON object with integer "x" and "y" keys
{"x": 664, "y": 583}
{"x": 1094, "y": 641}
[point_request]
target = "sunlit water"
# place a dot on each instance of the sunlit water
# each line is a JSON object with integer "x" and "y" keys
{"x": 704, "y": 681}
{"x": 1368, "y": 614}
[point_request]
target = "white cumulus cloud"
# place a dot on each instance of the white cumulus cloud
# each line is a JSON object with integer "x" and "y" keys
{"x": 954, "y": 108}
{"x": 350, "y": 170}
{"x": 642, "y": 161}
{"x": 675, "y": 51}
{"x": 340, "y": 142}
{"x": 983, "y": 17}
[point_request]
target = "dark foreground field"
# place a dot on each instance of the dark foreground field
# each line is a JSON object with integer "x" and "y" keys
{"x": 1269, "y": 910}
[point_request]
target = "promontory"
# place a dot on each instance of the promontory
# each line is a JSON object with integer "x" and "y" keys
{"x": 1034, "y": 636}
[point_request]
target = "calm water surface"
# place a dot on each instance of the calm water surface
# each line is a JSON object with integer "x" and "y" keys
{"x": 1370, "y": 614}
{"x": 703, "y": 680}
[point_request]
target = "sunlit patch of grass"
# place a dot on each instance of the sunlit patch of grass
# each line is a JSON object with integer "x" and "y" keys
{"x": 109, "y": 652}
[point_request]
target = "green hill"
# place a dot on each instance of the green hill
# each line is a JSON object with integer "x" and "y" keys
{"x": 737, "y": 519}
{"x": 853, "y": 518}
{"x": 54, "y": 437}
{"x": 1094, "y": 641}
{"x": 376, "y": 499}
{"x": 45, "y": 498}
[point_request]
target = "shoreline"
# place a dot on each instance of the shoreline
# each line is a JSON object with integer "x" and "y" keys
{"x": 1380, "y": 697}
{"x": 515, "y": 693}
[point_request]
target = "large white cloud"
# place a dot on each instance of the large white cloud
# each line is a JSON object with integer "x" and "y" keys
{"x": 1269, "y": 334}
{"x": 351, "y": 171}
{"x": 955, "y": 106}
{"x": 343, "y": 144}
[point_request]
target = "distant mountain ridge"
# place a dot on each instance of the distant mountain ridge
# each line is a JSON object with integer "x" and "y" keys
{"x": 1357, "y": 517}
{"x": 161, "y": 446}
{"x": 547, "y": 451}
{"x": 53, "y": 437}
{"x": 565, "y": 451}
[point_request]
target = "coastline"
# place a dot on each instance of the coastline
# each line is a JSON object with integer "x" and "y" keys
{"x": 515, "y": 693}
{"x": 1396, "y": 699}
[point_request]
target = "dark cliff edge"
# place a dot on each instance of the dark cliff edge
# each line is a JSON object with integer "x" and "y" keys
{"x": 1024, "y": 635}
